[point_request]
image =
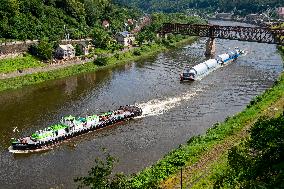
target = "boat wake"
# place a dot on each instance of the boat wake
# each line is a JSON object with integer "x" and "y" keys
{"x": 159, "y": 106}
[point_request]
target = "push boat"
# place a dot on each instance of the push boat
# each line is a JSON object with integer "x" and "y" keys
{"x": 192, "y": 73}
{"x": 70, "y": 127}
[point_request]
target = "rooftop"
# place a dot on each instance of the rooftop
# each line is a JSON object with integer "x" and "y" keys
{"x": 66, "y": 47}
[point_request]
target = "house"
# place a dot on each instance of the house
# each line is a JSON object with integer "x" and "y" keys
{"x": 125, "y": 38}
{"x": 84, "y": 47}
{"x": 130, "y": 21}
{"x": 105, "y": 24}
{"x": 280, "y": 12}
{"x": 65, "y": 51}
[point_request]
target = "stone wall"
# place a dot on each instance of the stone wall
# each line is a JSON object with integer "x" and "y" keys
{"x": 19, "y": 47}
{"x": 16, "y": 47}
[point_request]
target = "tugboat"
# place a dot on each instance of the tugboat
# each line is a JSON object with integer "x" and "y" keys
{"x": 70, "y": 127}
{"x": 191, "y": 74}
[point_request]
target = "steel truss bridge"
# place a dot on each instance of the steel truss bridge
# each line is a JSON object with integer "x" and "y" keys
{"x": 251, "y": 34}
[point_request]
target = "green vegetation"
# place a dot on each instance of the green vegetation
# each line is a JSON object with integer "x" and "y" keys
{"x": 149, "y": 33}
{"x": 258, "y": 162}
{"x": 239, "y": 7}
{"x": 17, "y": 82}
{"x": 99, "y": 177}
{"x": 281, "y": 48}
{"x": 19, "y": 63}
{"x": 43, "y": 50}
{"x": 78, "y": 50}
{"x": 37, "y": 19}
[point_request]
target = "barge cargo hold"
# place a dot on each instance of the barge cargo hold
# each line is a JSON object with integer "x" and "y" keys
{"x": 191, "y": 74}
{"x": 70, "y": 127}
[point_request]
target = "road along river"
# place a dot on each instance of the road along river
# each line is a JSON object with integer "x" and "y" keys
{"x": 173, "y": 111}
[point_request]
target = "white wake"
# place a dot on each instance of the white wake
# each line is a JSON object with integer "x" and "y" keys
{"x": 159, "y": 106}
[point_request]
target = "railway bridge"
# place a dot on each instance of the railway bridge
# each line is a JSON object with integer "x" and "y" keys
{"x": 241, "y": 33}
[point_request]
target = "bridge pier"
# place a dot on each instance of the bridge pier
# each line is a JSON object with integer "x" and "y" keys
{"x": 210, "y": 48}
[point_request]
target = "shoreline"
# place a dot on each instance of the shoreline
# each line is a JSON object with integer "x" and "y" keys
{"x": 123, "y": 58}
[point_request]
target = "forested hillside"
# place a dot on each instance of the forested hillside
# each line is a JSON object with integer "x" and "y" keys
{"x": 241, "y": 6}
{"x": 36, "y": 19}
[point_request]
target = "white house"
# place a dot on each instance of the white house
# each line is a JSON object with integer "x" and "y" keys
{"x": 65, "y": 51}
{"x": 125, "y": 38}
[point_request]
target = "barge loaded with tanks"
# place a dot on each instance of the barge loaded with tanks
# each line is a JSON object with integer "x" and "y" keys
{"x": 70, "y": 127}
{"x": 191, "y": 74}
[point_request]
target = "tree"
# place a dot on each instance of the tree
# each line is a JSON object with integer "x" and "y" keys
{"x": 259, "y": 161}
{"x": 99, "y": 177}
{"x": 36, "y": 19}
{"x": 101, "y": 37}
{"x": 78, "y": 50}
{"x": 42, "y": 50}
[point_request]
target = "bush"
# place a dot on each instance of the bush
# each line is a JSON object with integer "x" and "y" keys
{"x": 43, "y": 50}
{"x": 101, "y": 61}
{"x": 137, "y": 52}
{"x": 117, "y": 56}
{"x": 78, "y": 50}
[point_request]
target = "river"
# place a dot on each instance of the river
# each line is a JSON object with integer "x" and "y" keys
{"x": 173, "y": 111}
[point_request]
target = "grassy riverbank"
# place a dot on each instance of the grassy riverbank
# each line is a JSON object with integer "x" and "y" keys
{"x": 199, "y": 151}
{"x": 19, "y": 63}
{"x": 118, "y": 58}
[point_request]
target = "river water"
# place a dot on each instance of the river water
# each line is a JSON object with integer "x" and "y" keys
{"x": 173, "y": 111}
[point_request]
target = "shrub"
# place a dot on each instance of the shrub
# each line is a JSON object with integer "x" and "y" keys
{"x": 137, "y": 52}
{"x": 42, "y": 50}
{"x": 78, "y": 50}
{"x": 101, "y": 61}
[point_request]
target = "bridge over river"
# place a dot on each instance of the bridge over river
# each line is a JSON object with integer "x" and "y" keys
{"x": 240, "y": 33}
{"x": 173, "y": 112}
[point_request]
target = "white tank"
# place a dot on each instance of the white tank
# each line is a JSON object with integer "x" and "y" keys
{"x": 211, "y": 63}
{"x": 232, "y": 53}
{"x": 200, "y": 68}
{"x": 223, "y": 57}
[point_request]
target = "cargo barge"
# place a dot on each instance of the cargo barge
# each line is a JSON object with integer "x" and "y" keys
{"x": 191, "y": 74}
{"x": 70, "y": 127}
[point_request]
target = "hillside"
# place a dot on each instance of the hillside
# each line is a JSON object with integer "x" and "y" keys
{"x": 240, "y": 6}
{"x": 37, "y": 19}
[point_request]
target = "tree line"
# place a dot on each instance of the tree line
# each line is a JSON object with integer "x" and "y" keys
{"x": 55, "y": 19}
{"x": 241, "y": 7}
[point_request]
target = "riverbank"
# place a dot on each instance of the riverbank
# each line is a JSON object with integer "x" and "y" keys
{"x": 201, "y": 154}
{"x": 19, "y": 62}
{"x": 117, "y": 59}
